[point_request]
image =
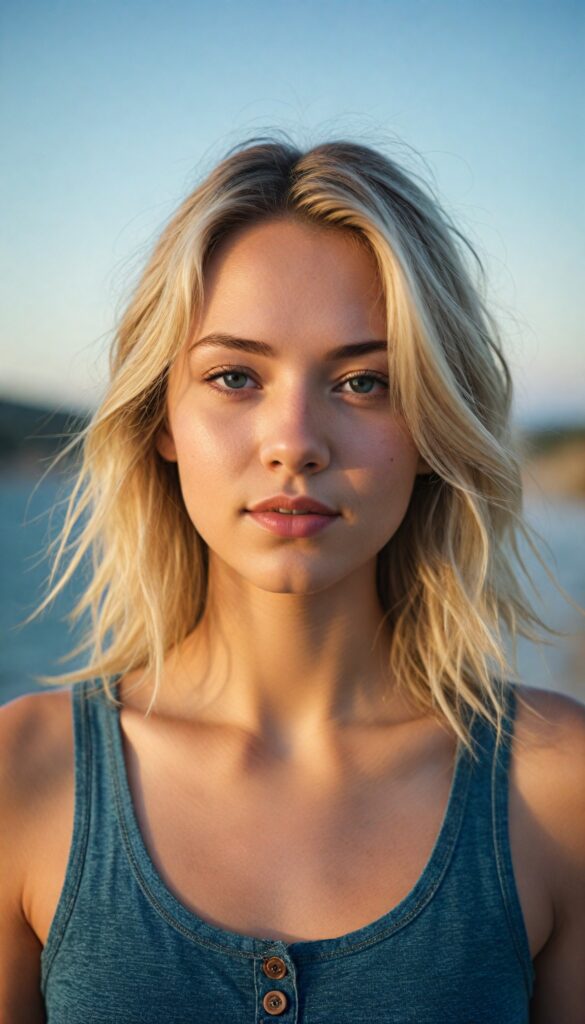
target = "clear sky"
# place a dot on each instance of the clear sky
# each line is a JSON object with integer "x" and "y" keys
{"x": 111, "y": 111}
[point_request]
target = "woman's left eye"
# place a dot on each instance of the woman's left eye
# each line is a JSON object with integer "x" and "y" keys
{"x": 355, "y": 377}
{"x": 361, "y": 377}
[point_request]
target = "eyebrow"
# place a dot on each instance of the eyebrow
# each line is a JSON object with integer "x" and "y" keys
{"x": 262, "y": 348}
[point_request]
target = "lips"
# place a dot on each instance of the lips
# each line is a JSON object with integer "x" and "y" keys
{"x": 293, "y": 527}
{"x": 298, "y": 503}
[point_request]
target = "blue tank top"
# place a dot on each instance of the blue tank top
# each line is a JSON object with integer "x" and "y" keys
{"x": 122, "y": 949}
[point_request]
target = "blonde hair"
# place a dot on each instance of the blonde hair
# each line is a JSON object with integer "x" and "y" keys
{"x": 447, "y": 579}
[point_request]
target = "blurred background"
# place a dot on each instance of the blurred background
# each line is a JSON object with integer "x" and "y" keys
{"x": 110, "y": 113}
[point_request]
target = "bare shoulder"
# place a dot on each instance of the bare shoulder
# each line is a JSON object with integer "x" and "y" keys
{"x": 548, "y": 805}
{"x": 36, "y": 740}
{"x": 36, "y": 761}
{"x": 36, "y": 771}
{"x": 549, "y": 768}
{"x": 550, "y": 738}
{"x": 36, "y": 765}
{"x": 555, "y": 711}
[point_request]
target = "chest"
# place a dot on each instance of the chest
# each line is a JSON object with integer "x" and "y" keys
{"x": 289, "y": 864}
{"x": 285, "y": 861}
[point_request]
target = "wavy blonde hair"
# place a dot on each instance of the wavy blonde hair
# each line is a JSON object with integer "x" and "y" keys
{"x": 448, "y": 578}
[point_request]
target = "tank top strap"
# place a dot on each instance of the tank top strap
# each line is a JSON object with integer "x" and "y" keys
{"x": 485, "y": 856}
{"x": 93, "y": 821}
{"x": 500, "y": 791}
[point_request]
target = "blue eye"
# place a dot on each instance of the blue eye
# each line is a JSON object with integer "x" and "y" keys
{"x": 232, "y": 373}
{"x": 360, "y": 378}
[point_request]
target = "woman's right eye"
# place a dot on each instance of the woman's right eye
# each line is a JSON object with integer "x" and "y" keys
{"x": 228, "y": 372}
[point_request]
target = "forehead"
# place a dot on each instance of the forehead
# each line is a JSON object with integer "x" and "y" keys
{"x": 286, "y": 269}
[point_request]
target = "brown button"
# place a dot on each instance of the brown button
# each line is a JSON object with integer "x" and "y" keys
{"x": 274, "y": 1002}
{"x": 274, "y": 967}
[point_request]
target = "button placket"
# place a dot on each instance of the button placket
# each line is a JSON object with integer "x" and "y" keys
{"x": 276, "y": 988}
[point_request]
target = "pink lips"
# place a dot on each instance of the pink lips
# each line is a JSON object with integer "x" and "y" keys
{"x": 292, "y": 526}
{"x": 298, "y": 502}
{"x": 316, "y": 516}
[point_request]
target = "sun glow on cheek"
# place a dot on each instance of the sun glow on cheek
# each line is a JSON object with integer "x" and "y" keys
{"x": 211, "y": 447}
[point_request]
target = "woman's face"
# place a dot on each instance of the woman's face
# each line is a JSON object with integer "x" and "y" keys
{"x": 295, "y": 421}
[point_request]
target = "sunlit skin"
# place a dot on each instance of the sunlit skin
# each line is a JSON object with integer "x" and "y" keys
{"x": 291, "y": 624}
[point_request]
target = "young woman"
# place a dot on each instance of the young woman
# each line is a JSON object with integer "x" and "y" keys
{"x": 296, "y": 777}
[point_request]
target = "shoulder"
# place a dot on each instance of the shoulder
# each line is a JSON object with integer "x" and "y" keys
{"x": 548, "y": 772}
{"x": 557, "y": 709}
{"x": 36, "y": 736}
{"x": 547, "y": 799}
{"x": 36, "y": 774}
{"x": 36, "y": 760}
{"x": 549, "y": 735}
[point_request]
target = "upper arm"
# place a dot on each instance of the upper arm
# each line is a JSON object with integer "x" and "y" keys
{"x": 559, "y": 991}
{"x": 20, "y": 950}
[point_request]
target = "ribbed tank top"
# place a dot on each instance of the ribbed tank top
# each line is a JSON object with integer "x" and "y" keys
{"x": 122, "y": 949}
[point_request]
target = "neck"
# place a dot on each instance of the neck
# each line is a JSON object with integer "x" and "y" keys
{"x": 284, "y": 666}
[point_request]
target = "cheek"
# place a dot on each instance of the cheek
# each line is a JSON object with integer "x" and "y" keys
{"x": 205, "y": 439}
{"x": 387, "y": 456}
{"x": 384, "y": 475}
{"x": 210, "y": 460}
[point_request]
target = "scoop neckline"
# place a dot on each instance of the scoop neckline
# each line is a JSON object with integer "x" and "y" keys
{"x": 197, "y": 929}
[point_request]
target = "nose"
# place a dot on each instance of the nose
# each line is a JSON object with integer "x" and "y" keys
{"x": 294, "y": 436}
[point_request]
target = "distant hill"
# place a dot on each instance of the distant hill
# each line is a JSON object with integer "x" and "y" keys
{"x": 554, "y": 463}
{"x": 542, "y": 440}
{"x": 31, "y": 433}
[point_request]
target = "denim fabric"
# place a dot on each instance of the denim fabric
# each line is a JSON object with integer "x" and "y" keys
{"x": 123, "y": 950}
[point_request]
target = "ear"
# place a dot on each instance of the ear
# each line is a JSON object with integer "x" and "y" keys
{"x": 165, "y": 444}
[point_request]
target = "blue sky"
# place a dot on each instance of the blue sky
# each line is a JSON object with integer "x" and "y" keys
{"x": 110, "y": 112}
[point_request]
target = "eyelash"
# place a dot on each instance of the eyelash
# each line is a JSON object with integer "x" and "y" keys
{"x": 224, "y": 370}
